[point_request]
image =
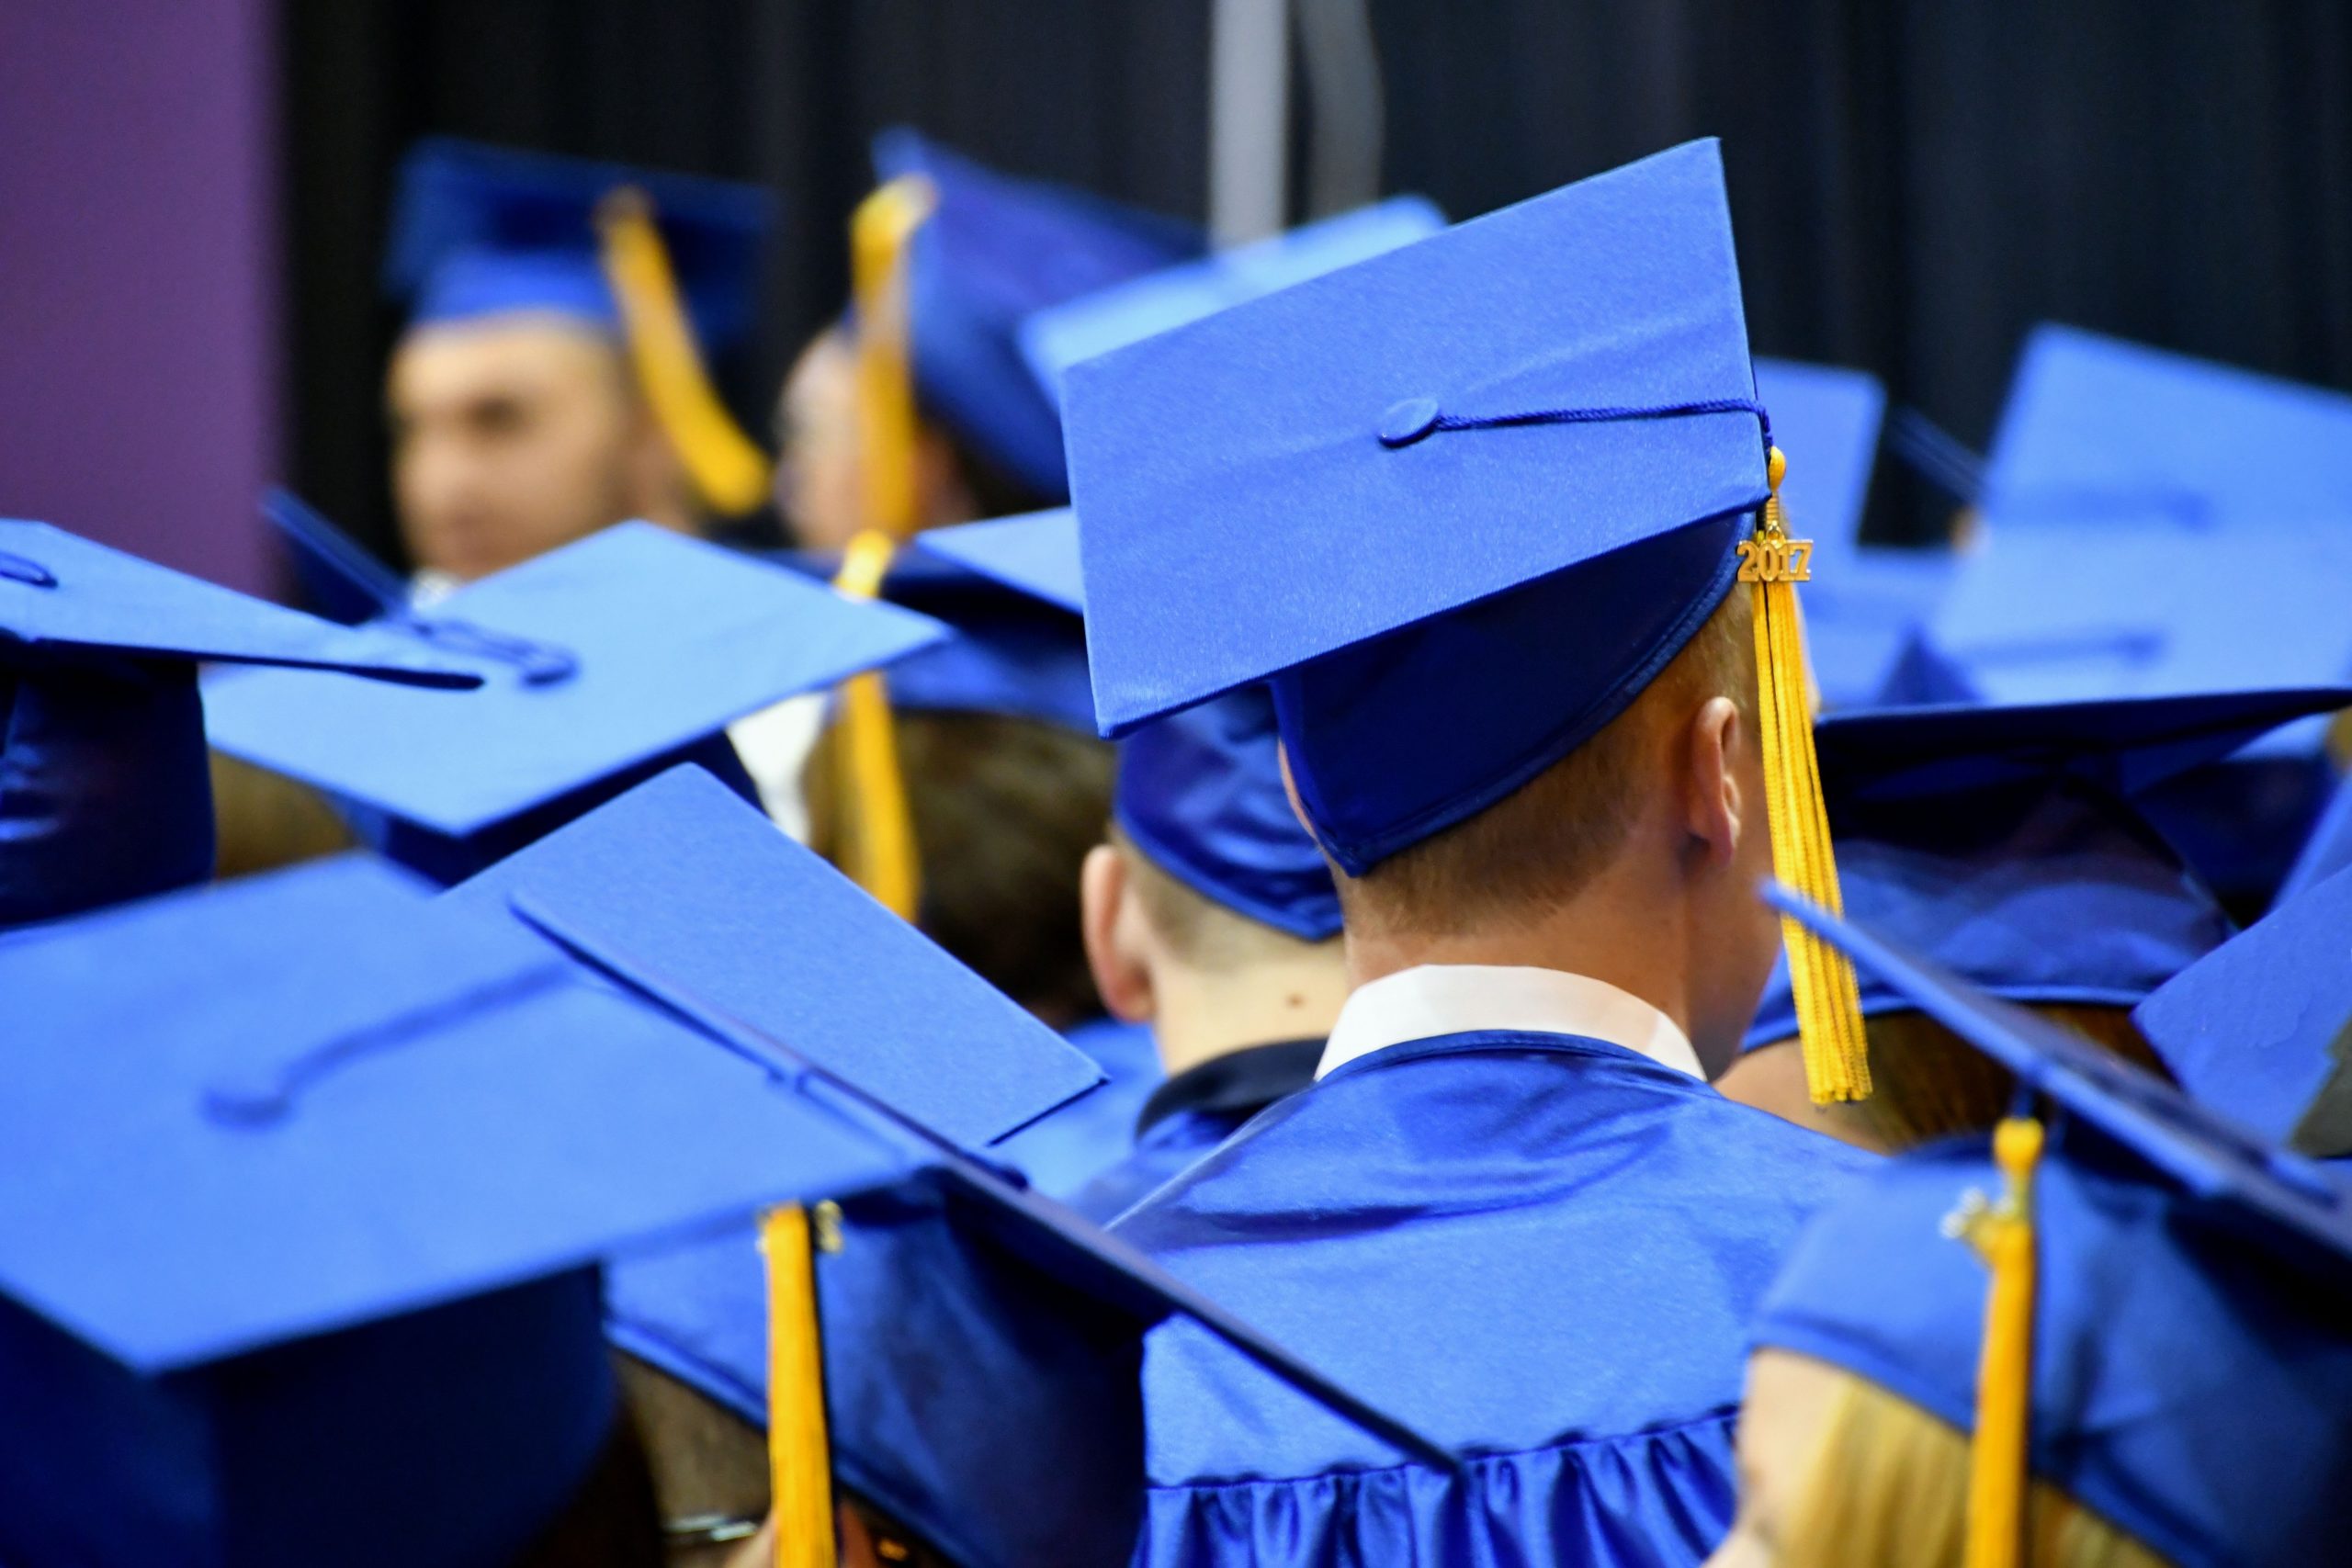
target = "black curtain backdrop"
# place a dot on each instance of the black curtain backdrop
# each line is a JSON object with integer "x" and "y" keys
{"x": 1915, "y": 182}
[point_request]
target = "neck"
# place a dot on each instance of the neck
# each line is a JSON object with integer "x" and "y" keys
{"x": 1618, "y": 928}
{"x": 1200, "y": 1016}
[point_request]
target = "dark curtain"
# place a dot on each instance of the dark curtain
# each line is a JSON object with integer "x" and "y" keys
{"x": 1915, "y": 182}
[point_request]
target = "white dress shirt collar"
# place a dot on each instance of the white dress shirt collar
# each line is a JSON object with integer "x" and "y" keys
{"x": 1431, "y": 1000}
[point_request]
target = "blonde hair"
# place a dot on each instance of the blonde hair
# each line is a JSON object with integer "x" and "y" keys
{"x": 1206, "y": 935}
{"x": 1537, "y": 847}
{"x": 1889, "y": 1489}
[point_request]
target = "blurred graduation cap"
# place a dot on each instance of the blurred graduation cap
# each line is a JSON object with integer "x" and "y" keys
{"x": 2162, "y": 1336}
{"x": 1059, "y": 336}
{"x": 605, "y": 661}
{"x": 667, "y": 264}
{"x": 992, "y": 251}
{"x": 1458, "y": 504}
{"x": 104, "y": 793}
{"x": 1199, "y": 792}
{"x": 2326, "y": 851}
{"x": 2261, "y": 1028}
{"x": 955, "y": 1308}
{"x": 302, "y": 1266}
{"x": 2006, "y": 841}
{"x": 2096, "y": 428}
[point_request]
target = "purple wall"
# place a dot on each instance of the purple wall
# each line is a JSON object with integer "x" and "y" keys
{"x": 138, "y": 351}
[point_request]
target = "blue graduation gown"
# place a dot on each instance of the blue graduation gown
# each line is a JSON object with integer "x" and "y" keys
{"x": 1540, "y": 1249}
{"x": 1193, "y": 1113}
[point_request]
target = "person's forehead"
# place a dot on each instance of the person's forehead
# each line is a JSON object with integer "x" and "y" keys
{"x": 522, "y": 352}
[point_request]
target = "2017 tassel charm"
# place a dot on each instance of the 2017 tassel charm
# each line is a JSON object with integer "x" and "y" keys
{"x": 1828, "y": 1005}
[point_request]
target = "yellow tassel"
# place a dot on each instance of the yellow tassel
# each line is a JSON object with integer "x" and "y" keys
{"x": 1829, "y": 1006}
{"x": 879, "y": 837}
{"x": 800, "y": 1500}
{"x": 2003, "y": 1235}
{"x": 727, "y": 468}
{"x": 879, "y": 231}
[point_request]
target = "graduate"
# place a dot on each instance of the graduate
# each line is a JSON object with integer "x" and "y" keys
{"x": 2006, "y": 843}
{"x": 104, "y": 790}
{"x": 1209, "y": 915}
{"x": 1478, "y": 509}
{"x": 550, "y": 379}
{"x": 2113, "y": 1334}
{"x": 980, "y": 1345}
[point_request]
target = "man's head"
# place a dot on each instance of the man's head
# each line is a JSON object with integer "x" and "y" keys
{"x": 820, "y": 474}
{"x": 1207, "y": 978}
{"x": 1660, "y": 816}
{"x": 516, "y": 433}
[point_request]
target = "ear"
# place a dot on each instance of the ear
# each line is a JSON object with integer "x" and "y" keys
{"x": 1112, "y": 926}
{"x": 1712, "y": 804}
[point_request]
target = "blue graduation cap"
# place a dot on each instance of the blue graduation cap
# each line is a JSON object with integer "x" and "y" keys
{"x": 2257, "y": 1028}
{"x": 605, "y": 661}
{"x": 2097, "y": 428}
{"x": 2326, "y": 851}
{"x": 993, "y": 251}
{"x": 310, "y": 1154}
{"x": 2007, "y": 841}
{"x": 2176, "y": 1354}
{"x": 1059, "y": 336}
{"x": 753, "y": 922}
{"x": 1200, "y": 791}
{"x": 104, "y": 792}
{"x": 956, "y": 1307}
{"x": 479, "y": 231}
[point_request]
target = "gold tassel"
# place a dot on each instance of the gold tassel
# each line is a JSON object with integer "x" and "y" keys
{"x": 2003, "y": 1235}
{"x": 878, "y": 838}
{"x": 1828, "y": 1005}
{"x": 727, "y": 468}
{"x": 800, "y": 1497}
{"x": 879, "y": 848}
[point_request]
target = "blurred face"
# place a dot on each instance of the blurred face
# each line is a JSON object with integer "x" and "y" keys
{"x": 820, "y": 484}
{"x": 511, "y": 436}
{"x": 1781, "y": 1423}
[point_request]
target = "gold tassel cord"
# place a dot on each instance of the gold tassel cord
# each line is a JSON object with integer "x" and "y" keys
{"x": 1829, "y": 1004}
{"x": 729, "y": 472}
{"x": 879, "y": 851}
{"x": 878, "y": 847}
{"x": 801, "y": 1501}
{"x": 2003, "y": 1235}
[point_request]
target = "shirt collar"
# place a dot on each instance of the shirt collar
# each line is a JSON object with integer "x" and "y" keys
{"x": 1431, "y": 1000}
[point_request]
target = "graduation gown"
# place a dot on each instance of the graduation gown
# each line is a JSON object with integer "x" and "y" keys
{"x": 1063, "y": 1150}
{"x": 1540, "y": 1249}
{"x": 1193, "y": 1113}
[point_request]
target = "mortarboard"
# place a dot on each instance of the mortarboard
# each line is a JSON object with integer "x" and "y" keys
{"x": 1059, "y": 336}
{"x": 2257, "y": 1028}
{"x": 104, "y": 793}
{"x": 1200, "y": 791}
{"x": 2098, "y": 428}
{"x": 992, "y": 251}
{"x": 2006, "y": 842}
{"x": 668, "y": 264}
{"x": 300, "y": 1263}
{"x": 1458, "y": 504}
{"x": 982, "y": 1344}
{"x": 751, "y": 920}
{"x": 2328, "y": 847}
{"x": 606, "y": 660}
{"x": 2162, "y": 1336}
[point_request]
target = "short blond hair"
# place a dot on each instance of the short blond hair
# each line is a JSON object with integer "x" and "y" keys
{"x": 1537, "y": 847}
{"x": 1889, "y": 1489}
{"x": 1203, "y": 933}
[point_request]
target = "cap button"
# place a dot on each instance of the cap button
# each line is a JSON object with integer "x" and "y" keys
{"x": 1407, "y": 421}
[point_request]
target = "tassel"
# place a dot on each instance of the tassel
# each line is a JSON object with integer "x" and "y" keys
{"x": 879, "y": 828}
{"x": 878, "y": 847}
{"x": 728, "y": 470}
{"x": 2003, "y": 1235}
{"x": 800, "y": 1499}
{"x": 1828, "y": 1005}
